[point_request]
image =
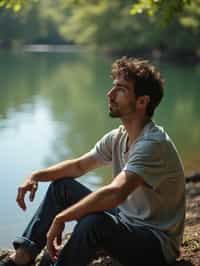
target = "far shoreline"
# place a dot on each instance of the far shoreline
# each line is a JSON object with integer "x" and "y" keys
{"x": 178, "y": 56}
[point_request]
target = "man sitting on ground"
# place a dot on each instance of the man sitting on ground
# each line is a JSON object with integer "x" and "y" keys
{"x": 139, "y": 217}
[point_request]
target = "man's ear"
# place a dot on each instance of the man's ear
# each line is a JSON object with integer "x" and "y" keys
{"x": 143, "y": 101}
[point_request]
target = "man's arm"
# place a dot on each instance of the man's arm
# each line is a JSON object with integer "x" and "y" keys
{"x": 68, "y": 168}
{"x": 103, "y": 199}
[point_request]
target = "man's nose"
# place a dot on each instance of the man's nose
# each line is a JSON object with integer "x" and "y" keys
{"x": 110, "y": 93}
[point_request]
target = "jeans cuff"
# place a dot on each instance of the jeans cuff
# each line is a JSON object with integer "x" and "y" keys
{"x": 27, "y": 244}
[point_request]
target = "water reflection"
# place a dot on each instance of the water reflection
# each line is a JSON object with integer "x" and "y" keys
{"x": 180, "y": 112}
{"x": 53, "y": 107}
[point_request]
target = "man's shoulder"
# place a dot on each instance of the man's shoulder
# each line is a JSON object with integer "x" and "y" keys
{"x": 156, "y": 134}
{"x": 154, "y": 138}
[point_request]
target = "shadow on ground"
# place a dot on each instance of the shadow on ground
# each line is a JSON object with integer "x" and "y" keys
{"x": 183, "y": 263}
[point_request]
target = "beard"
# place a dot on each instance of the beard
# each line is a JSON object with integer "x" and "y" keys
{"x": 118, "y": 113}
{"x": 114, "y": 114}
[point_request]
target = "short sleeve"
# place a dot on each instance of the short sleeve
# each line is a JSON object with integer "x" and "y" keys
{"x": 103, "y": 148}
{"x": 146, "y": 160}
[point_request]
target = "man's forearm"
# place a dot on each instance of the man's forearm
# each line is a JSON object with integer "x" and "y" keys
{"x": 103, "y": 199}
{"x": 68, "y": 168}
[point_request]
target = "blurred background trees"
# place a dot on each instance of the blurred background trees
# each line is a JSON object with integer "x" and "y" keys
{"x": 115, "y": 26}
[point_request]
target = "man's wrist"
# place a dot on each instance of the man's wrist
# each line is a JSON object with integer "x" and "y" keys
{"x": 35, "y": 176}
{"x": 60, "y": 218}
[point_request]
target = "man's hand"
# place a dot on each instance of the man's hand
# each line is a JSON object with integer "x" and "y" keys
{"x": 54, "y": 238}
{"x": 29, "y": 185}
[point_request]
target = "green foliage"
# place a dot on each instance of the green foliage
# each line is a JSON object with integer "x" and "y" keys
{"x": 166, "y": 9}
{"x": 107, "y": 24}
{"x": 16, "y": 5}
{"x": 191, "y": 16}
{"x": 30, "y": 25}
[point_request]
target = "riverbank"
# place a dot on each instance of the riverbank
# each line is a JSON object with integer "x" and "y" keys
{"x": 190, "y": 249}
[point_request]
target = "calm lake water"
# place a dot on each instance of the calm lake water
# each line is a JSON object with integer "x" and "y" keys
{"x": 53, "y": 107}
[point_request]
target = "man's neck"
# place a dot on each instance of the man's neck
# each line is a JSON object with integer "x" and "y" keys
{"x": 134, "y": 127}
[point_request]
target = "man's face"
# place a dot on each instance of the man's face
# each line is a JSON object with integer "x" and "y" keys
{"x": 121, "y": 98}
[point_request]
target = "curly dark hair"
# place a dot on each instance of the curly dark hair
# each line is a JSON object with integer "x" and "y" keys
{"x": 146, "y": 78}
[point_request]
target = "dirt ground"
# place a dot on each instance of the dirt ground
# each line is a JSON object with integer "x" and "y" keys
{"x": 190, "y": 249}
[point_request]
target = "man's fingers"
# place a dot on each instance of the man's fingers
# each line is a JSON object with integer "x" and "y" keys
{"x": 59, "y": 239}
{"x": 32, "y": 195}
{"x": 51, "y": 248}
{"x": 50, "y": 244}
{"x": 28, "y": 186}
{"x": 33, "y": 190}
{"x": 20, "y": 198}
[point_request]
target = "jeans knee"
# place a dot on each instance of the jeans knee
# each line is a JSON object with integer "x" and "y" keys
{"x": 59, "y": 189}
{"x": 67, "y": 191}
{"x": 96, "y": 225}
{"x": 61, "y": 184}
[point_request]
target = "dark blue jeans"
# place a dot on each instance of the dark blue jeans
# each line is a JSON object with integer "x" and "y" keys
{"x": 93, "y": 232}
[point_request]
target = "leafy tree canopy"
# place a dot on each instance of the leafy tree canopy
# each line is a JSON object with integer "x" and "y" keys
{"x": 163, "y": 10}
{"x": 152, "y": 7}
{"x": 16, "y": 5}
{"x": 116, "y": 25}
{"x": 166, "y": 8}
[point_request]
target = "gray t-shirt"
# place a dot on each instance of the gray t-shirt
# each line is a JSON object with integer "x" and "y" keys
{"x": 161, "y": 204}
